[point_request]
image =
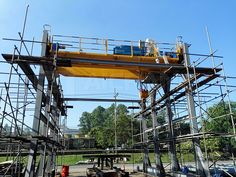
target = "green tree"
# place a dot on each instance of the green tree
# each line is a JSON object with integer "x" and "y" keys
{"x": 101, "y": 125}
{"x": 219, "y": 120}
{"x": 221, "y": 124}
{"x": 124, "y": 132}
{"x": 98, "y": 117}
{"x": 7, "y": 129}
{"x": 86, "y": 122}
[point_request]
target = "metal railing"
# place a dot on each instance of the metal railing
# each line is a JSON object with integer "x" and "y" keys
{"x": 111, "y": 46}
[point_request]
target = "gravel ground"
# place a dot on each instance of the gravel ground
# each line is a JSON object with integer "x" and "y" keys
{"x": 80, "y": 170}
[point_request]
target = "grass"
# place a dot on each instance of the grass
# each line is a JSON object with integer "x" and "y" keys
{"x": 2, "y": 159}
{"x": 136, "y": 158}
{"x": 24, "y": 159}
{"x": 69, "y": 159}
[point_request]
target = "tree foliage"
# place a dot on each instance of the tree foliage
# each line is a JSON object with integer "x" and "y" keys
{"x": 219, "y": 120}
{"x": 100, "y": 123}
{"x": 219, "y": 117}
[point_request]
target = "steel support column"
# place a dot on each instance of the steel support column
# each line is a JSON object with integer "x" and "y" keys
{"x": 56, "y": 135}
{"x": 46, "y": 149}
{"x": 30, "y": 169}
{"x": 51, "y": 163}
{"x": 146, "y": 160}
{"x": 159, "y": 166}
{"x": 169, "y": 115}
{"x": 201, "y": 166}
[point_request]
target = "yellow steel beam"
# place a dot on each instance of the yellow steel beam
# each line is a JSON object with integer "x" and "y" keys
{"x": 99, "y": 73}
{"x": 109, "y": 71}
{"x": 97, "y": 56}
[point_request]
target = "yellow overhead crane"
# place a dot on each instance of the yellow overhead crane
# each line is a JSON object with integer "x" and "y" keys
{"x": 124, "y": 62}
{"x": 137, "y": 60}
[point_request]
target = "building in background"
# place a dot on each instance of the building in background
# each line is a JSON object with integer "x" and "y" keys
{"x": 74, "y": 139}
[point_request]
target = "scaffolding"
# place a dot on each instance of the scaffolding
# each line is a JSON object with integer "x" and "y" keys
{"x": 33, "y": 106}
{"x": 31, "y": 113}
{"x": 185, "y": 99}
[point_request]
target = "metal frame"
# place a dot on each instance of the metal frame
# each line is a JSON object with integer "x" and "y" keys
{"x": 192, "y": 88}
{"x": 181, "y": 102}
{"x": 44, "y": 137}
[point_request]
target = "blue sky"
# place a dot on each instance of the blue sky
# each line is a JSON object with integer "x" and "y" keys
{"x": 162, "y": 20}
